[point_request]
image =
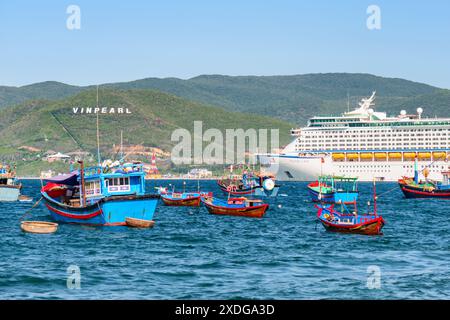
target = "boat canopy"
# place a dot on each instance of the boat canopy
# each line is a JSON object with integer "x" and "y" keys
{"x": 69, "y": 179}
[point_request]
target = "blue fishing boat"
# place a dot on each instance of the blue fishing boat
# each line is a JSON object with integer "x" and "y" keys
{"x": 334, "y": 190}
{"x": 9, "y": 185}
{"x": 100, "y": 196}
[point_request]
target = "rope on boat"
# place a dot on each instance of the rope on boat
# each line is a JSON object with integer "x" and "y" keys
{"x": 395, "y": 188}
{"x": 29, "y": 210}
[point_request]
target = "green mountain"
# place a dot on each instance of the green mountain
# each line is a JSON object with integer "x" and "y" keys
{"x": 291, "y": 98}
{"x": 53, "y": 125}
{"x": 44, "y": 90}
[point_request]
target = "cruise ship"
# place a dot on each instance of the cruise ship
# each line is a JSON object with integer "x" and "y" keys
{"x": 363, "y": 143}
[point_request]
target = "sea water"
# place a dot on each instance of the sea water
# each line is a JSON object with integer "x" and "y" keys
{"x": 190, "y": 254}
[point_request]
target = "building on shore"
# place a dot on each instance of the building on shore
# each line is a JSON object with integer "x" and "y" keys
{"x": 199, "y": 173}
{"x": 57, "y": 157}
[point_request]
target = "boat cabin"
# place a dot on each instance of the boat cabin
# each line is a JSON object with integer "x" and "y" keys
{"x": 446, "y": 179}
{"x": 100, "y": 182}
{"x": 339, "y": 184}
{"x": 7, "y": 176}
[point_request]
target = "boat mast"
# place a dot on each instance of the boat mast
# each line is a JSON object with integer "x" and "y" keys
{"x": 375, "y": 196}
{"x": 98, "y": 134}
{"x": 121, "y": 144}
{"x": 83, "y": 193}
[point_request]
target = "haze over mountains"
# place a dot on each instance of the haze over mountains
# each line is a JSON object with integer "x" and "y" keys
{"x": 291, "y": 98}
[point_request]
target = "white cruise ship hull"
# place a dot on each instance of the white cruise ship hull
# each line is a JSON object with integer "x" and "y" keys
{"x": 292, "y": 167}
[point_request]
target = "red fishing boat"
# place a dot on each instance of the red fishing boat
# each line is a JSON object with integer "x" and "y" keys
{"x": 332, "y": 220}
{"x": 184, "y": 199}
{"x": 351, "y": 222}
{"x": 236, "y": 207}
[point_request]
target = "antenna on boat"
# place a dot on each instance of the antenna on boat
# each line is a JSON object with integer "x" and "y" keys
{"x": 98, "y": 134}
{"x": 121, "y": 144}
{"x": 375, "y": 196}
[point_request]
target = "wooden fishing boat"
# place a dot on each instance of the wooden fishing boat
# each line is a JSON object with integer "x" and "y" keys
{"x": 249, "y": 184}
{"x": 412, "y": 187}
{"x": 236, "y": 207}
{"x": 334, "y": 189}
{"x": 39, "y": 227}
{"x": 332, "y": 220}
{"x": 184, "y": 199}
{"x": 351, "y": 222}
{"x": 139, "y": 223}
{"x": 100, "y": 196}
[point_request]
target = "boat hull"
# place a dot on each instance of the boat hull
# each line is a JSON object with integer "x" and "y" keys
{"x": 187, "y": 202}
{"x": 9, "y": 193}
{"x": 292, "y": 167}
{"x": 250, "y": 212}
{"x": 411, "y": 192}
{"x": 111, "y": 211}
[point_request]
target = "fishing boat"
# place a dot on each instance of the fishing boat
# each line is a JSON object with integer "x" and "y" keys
{"x": 334, "y": 189}
{"x": 236, "y": 207}
{"x": 100, "y": 196}
{"x": 184, "y": 199}
{"x": 413, "y": 187}
{"x": 348, "y": 221}
{"x": 249, "y": 184}
{"x": 9, "y": 185}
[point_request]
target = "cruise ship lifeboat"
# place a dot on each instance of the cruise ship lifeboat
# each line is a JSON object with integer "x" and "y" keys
{"x": 440, "y": 155}
{"x": 425, "y": 155}
{"x": 395, "y": 156}
{"x": 380, "y": 156}
{"x": 338, "y": 156}
{"x": 366, "y": 156}
{"x": 409, "y": 155}
{"x": 352, "y": 156}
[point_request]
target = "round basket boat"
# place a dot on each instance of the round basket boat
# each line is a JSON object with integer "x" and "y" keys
{"x": 38, "y": 226}
{"x": 139, "y": 223}
{"x": 23, "y": 198}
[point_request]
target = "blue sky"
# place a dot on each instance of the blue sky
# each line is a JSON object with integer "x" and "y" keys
{"x": 128, "y": 40}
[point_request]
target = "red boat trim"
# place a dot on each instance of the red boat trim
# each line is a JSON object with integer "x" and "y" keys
{"x": 265, "y": 205}
{"x": 425, "y": 193}
{"x": 74, "y": 216}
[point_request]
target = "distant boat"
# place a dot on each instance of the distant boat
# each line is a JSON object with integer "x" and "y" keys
{"x": 412, "y": 187}
{"x": 334, "y": 189}
{"x": 236, "y": 207}
{"x": 249, "y": 184}
{"x": 187, "y": 199}
{"x": 100, "y": 196}
{"x": 350, "y": 222}
{"x": 9, "y": 185}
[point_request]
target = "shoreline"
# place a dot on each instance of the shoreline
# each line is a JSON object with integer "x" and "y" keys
{"x": 146, "y": 179}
